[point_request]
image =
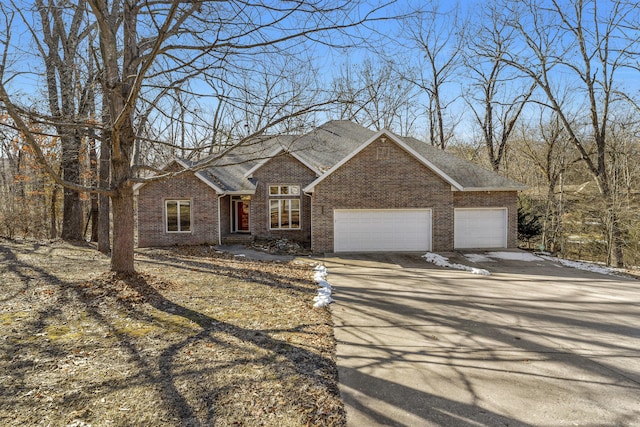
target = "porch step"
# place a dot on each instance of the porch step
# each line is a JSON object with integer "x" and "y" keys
{"x": 237, "y": 239}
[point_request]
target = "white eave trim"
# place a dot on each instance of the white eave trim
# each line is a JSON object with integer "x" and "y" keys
{"x": 248, "y": 174}
{"x": 472, "y": 189}
{"x": 309, "y": 188}
{"x": 241, "y": 193}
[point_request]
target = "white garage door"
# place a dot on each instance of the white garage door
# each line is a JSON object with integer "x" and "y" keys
{"x": 376, "y": 230}
{"x": 480, "y": 228}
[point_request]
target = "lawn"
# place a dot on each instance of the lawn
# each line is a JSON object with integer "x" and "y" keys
{"x": 196, "y": 337}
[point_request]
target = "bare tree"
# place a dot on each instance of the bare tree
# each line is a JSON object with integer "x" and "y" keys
{"x": 624, "y": 172}
{"x": 581, "y": 44}
{"x": 436, "y": 36}
{"x": 150, "y": 48}
{"x": 497, "y": 95}
{"x": 58, "y": 35}
{"x": 104, "y": 174}
{"x": 261, "y": 95}
{"x": 547, "y": 148}
{"x": 376, "y": 96}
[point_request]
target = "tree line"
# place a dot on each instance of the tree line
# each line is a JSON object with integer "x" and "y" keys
{"x": 96, "y": 95}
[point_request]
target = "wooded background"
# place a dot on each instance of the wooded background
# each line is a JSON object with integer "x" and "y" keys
{"x": 95, "y": 95}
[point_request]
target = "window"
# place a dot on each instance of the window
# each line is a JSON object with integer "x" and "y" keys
{"x": 178, "y": 214}
{"x": 285, "y": 214}
{"x": 284, "y": 190}
{"x": 284, "y": 207}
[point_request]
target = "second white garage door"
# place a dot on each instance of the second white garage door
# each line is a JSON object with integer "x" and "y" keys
{"x": 480, "y": 228}
{"x": 360, "y": 230}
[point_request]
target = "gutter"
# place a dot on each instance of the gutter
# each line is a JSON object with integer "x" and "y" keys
{"x": 493, "y": 189}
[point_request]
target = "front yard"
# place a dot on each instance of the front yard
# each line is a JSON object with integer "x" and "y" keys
{"x": 197, "y": 337}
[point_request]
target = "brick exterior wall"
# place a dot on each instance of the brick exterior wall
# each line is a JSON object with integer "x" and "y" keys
{"x": 281, "y": 170}
{"x": 225, "y": 215}
{"x": 493, "y": 199}
{"x": 382, "y": 176}
{"x": 151, "y": 210}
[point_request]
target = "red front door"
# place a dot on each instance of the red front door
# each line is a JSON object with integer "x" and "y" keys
{"x": 241, "y": 208}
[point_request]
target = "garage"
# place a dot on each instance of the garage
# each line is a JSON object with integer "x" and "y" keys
{"x": 480, "y": 228}
{"x": 375, "y": 230}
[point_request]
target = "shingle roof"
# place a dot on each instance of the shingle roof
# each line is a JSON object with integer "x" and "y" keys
{"x": 228, "y": 171}
{"x": 327, "y": 145}
{"x": 467, "y": 174}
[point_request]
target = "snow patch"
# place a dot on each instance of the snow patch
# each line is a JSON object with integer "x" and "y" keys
{"x": 441, "y": 261}
{"x": 516, "y": 256}
{"x": 320, "y": 269}
{"x": 539, "y": 256}
{"x": 595, "y": 268}
{"x": 324, "y": 292}
{"x": 317, "y": 276}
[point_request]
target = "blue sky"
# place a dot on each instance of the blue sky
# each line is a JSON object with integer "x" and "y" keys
{"x": 329, "y": 62}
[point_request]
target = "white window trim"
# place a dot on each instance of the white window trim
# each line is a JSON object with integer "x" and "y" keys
{"x": 166, "y": 218}
{"x": 279, "y": 193}
{"x": 299, "y": 227}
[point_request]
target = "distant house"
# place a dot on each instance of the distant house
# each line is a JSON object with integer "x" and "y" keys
{"x": 338, "y": 188}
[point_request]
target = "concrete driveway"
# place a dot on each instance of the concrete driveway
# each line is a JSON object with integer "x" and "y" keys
{"x": 534, "y": 344}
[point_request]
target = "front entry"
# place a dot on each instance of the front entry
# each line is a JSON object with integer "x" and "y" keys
{"x": 240, "y": 215}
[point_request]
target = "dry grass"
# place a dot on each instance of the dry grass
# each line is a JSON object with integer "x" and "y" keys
{"x": 195, "y": 338}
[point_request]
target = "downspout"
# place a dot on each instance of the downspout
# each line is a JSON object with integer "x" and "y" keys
{"x": 219, "y": 226}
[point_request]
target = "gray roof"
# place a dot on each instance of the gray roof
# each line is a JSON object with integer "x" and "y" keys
{"x": 325, "y": 147}
{"x": 467, "y": 174}
{"x": 227, "y": 172}
{"x": 328, "y": 144}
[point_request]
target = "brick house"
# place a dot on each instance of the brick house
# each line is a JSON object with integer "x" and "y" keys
{"x": 338, "y": 188}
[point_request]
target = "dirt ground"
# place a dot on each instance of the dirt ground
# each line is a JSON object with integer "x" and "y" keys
{"x": 196, "y": 337}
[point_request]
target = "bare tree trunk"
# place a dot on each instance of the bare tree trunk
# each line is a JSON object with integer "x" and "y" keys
{"x": 72, "y": 217}
{"x": 123, "y": 218}
{"x": 61, "y": 37}
{"x": 104, "y": 205}
{"x": 93, "y": 213}
{"x": 53, "y": 227}
{"x": 616, "y": 242}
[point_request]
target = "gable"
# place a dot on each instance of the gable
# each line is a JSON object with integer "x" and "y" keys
{"x": 279, "y": 153}
{"x": 176, "y": 166}
{"x": 383, "y": 169}
{"x": 178, "y": 186}
{"x": 283, "y": 167}
{"x": 173, "y": 166}
{"x": 392, "y": 142}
